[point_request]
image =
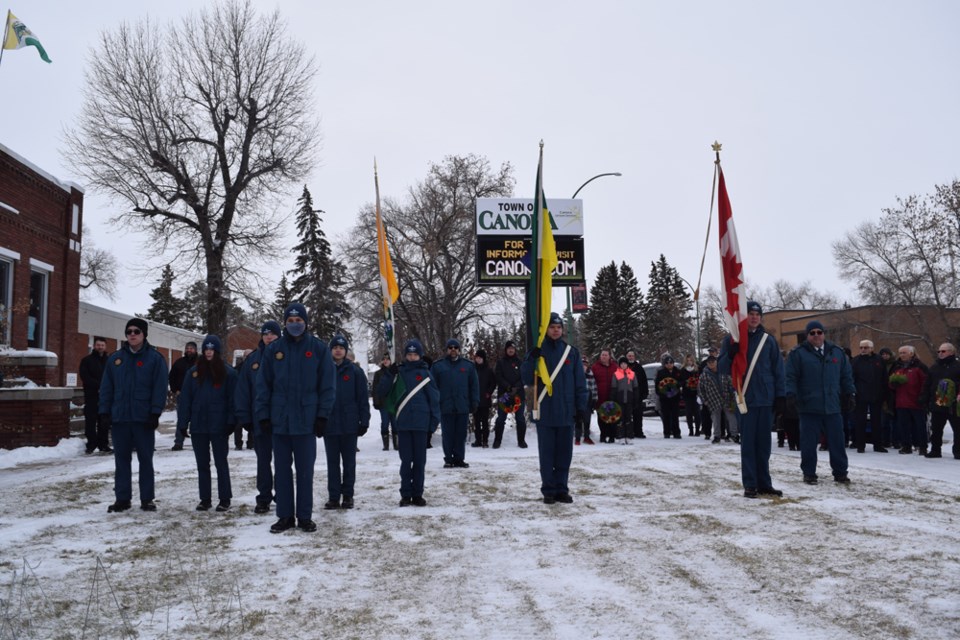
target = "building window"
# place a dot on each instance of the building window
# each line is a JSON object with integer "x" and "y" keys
{"x": 6, "y": 286}
{"x": 37, "y": 315}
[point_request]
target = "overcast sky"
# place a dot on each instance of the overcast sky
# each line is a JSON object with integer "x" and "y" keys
{"x": 827, "y": 112}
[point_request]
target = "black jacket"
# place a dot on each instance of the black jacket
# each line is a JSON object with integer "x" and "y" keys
{"x": 377, "y": 398}
{"x": 643, "y": 384}
{"x": 91, "y": 372}
{"x": 508, "y": 375}
{"x": 178, "y": 371}
{"x": 869, "y": 377}
{"x": 488, "y": 384}
{"x": 943, "y": 369}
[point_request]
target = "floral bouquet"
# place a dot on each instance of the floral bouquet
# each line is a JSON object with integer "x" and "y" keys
{"x": 946, "y": 393}
{"x": 609, "y": 412}
{"x": 509, "y": 403}
{"x": 668, "y": 387}
{"x": 897, "y": 379}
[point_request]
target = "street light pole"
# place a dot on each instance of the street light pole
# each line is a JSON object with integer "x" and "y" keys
{"x": 696, "y": 302}
{"x": 574, "y": 197}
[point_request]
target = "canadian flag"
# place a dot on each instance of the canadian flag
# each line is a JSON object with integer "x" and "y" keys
{"x": 734, "y": 289}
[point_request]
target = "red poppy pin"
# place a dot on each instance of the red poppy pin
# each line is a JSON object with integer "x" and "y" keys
{"x": 216, "y": 386}
{"x": 567, "y": 361}
{"x": 419, "y": 378}
{"x": 309, "y": 354}
{"x": 346, "y": 378}
{"x": 139, "y": 363}
{"x": 462, "y": 370}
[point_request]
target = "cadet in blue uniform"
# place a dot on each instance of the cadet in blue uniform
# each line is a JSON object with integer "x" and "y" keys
{"x": 133, "y": 393}
{"x": 350, "y": 419}
{"x": 295, "y": 394}
{"x": 417, "y": 414}
{"x": 206, "y": 406}
{"x": 245, "y": 410}
{"x": 558, "y": 411}
{"x": 459, "y": 388}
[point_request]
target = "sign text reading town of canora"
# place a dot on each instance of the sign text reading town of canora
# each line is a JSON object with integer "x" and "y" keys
{"x": 513, "y": 216}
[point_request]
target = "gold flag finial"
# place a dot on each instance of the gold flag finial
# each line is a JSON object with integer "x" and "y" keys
{"x": 716, "y": 146}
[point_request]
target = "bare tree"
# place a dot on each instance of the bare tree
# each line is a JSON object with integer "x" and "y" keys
{"x": 432, "y": 244}
{"x": 98, "y": 268}
{"x": 194, "y": 128}
{"x": 908, "y": 257}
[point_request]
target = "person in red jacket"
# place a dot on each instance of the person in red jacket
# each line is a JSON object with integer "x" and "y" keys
{"x": 907, "y": 380}
{"x": 603, "y": 370}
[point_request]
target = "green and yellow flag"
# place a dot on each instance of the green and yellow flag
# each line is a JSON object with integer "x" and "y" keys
{"x": 389, "y": 289}
{"x": 543, "y": 260}
{"x": 16, "y": 35}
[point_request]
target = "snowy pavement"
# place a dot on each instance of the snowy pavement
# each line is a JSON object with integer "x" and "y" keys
{"x": 659, "y": 543}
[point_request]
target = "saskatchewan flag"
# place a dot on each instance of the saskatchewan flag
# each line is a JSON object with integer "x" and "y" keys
{"x": 543, "y": 260}
{"x": 16, "y": 35}
{"x": 395, "y": 397}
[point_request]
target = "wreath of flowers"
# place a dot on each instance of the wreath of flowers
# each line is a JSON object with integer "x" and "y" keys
{"x": 693, "y": 382}
{"x": 946, "y": 393}
{"x": 897, "y": 379}
{"x": 509, "y": 403}
{"x": 609, "y": 412}
{"x": 668, "y": 387}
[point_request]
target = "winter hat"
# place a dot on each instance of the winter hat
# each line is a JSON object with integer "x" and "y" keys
{"x": 296, "y": 310}
{"x": 139, "y": 323}
{"x": 711, "y": 359}
{"x": 666, "y": 359}
{"x": 753, "y": 305}
{"x": 556, "y": 319}
{"x": 622, "y": 360}
{"x": 814, "y": 324}
{"x": 510, "y": 343}
{"x": 712, "y": 350}
{"x": 271, "y": 326}
{"x": 212, "y": 342}
{"x": 413, "y": 346}
{"x": 191, "y": 344}
{"x": 480, "y": 354}
{"x": 886, "y": 350}
{"x": 339, "y": 341}
{"x": 453, "y": 342}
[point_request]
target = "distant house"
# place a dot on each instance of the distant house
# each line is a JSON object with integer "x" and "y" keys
{"x": 886, "y": 325}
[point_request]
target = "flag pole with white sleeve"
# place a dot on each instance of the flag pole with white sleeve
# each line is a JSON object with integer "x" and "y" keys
{"x": 734, "y": 284}
{"x": 389, "y": 289}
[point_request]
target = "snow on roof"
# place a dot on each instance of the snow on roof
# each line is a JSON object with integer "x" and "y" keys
{"x": 63, "y": 184}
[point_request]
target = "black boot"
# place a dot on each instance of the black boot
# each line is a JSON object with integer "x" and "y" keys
{"x": 522, "y": 437}
{"x": 396, "y": 441}
{"x": 386, "y": 443}
{"x": 497, "y": 437}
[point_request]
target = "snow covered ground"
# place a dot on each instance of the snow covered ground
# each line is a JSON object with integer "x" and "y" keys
{"x": 659, "y": 543}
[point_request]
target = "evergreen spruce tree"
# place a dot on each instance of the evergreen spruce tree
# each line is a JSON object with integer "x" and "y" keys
{"x": 629, "y": 317}
{"x": 283, "y": 297}
{"x": 167, "y": 308}
{"x": 599, "y": 324}
{"x": 667, "y": 326}
{"x": 318, "y": 281}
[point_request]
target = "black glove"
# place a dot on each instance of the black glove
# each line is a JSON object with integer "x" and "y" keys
{"x": 733, "y": 348}
{"x": 847, "y": 402}
{"x": 319, "y": 426}
{"x": 535, "y": 353}
{"x": 153, "y": 421}
{"x": 363, "y": 430}
{"x": 394, "y": 369}
{"x": 266, "y": 426}
{"x": 779, "y": 405}
{"x": 246, "y": 426}
{"x": 105, "y": 420}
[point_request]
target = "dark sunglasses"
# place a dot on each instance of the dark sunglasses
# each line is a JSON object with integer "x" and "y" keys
{"x": 816, "y": 332}
{"x": 133, "y": 332}
{"x": 454, "y": 348}
{"x": 943, "y": 351}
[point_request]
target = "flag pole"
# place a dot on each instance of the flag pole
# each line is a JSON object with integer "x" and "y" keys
{"x": 537, "y": 294}
{"x": 6, "y": 30}
{"x": 389, "y": 325}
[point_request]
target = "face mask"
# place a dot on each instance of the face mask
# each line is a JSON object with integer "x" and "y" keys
{"x": 296, "y": 329}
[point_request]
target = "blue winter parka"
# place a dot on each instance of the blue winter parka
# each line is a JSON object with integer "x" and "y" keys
{"x": 351, "y": 410}
{"x": 818, "y": 382}
{"x": 422, "y": 412}
{"x": 767, "y": 381}
{"x": 134, "y": 385}
{"x": 458, "y": 384}
{"x": 207, "y": 407}
{"x": 244, "y": 398}
{"x": 296, "y": 385}
{"x": 569, "y": 387}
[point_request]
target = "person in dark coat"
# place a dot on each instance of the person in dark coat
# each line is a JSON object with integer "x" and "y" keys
{"x": 624, "y": 391}
{"x": 557, "y": 410}
{"x": 487, "y": 383}
{"x": 133, "y": 394}
{"x": 296, "y": 390}
{"x": 908, "y": 380}
{"x": 667, "y": 386}
{"x": 177, "y": 373}
{"x": 891, "y": 433}
{"x": 245, "y": 407}
{"x": 456, "y": 379}
{"x": 689, "y": 378}
{"x": 582, "y": 424}
{"x": 349, "y": 420}
{"x": 386, "y": 420}
{"x": 943, "y": 384}
{"x": 509, "y": 383}
{"x": 91, "y": 371}
{"x": 643, "y": 391}
{"x": 870, "y": 380}
{"x": 763, "y": 398}
{"x": 206, "y": 406}
{"x": 415, "y": 402}
{"x": 820, "y": 384}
